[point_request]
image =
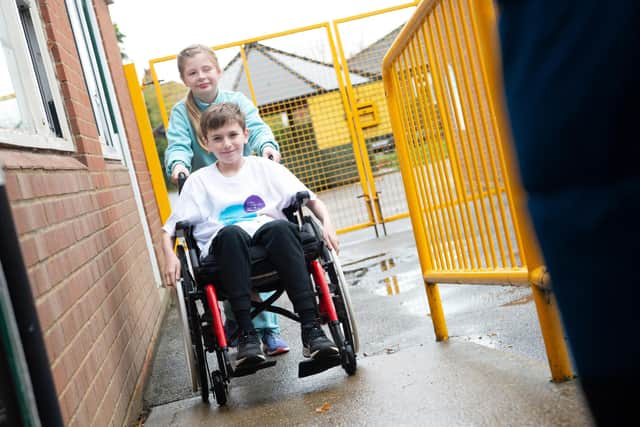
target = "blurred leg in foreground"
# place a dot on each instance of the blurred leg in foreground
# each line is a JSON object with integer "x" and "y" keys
{"x": 572, "y": 80}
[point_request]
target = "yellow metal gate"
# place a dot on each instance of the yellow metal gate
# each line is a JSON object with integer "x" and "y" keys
{"x": 320, "y": 90}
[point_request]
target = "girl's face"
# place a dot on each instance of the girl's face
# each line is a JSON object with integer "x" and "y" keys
{"x": 201, "y": 76}
{"x": 227, "y": 143}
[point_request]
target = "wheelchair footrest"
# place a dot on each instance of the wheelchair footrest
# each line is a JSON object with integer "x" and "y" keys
{"x": 313, "y": 366}
{"x": 248, "y": 369}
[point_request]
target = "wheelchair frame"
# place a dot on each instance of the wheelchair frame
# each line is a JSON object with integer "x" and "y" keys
{"x": 202, "y": 325}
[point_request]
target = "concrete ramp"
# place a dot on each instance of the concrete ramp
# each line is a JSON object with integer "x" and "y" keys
{"x": 492, "y": 372}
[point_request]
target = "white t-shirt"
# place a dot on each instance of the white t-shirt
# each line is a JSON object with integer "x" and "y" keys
{"x": 252, "y": 197}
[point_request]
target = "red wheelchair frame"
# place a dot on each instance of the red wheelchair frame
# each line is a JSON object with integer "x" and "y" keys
{"x": 202, "y": 321}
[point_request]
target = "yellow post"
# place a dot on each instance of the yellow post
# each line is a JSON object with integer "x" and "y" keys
{"x": 156, "y": 85}
{"x": 148, "y": 142}
{"x": 359, "y": 143}
{"x": 362, "y": 159}
{"x": 433, "y": 293}
{"x": 245, "y": 64}
{"x": 550, "y": 324}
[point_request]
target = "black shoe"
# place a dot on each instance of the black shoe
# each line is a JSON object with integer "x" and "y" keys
{"x": 315, "y": 343}
{"x": 249, "y": 349}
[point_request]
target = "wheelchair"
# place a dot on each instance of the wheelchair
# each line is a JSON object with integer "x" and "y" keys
{"x": 202, "y": 322}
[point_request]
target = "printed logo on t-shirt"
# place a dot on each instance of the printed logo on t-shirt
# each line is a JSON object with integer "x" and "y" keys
{"x": 242, "y": 212}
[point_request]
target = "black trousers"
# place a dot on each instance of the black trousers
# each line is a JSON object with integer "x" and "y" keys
{"x": 282, "y": 242}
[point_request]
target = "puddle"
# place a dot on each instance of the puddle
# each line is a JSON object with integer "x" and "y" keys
{"x": 401, "y": 282}
{"x": 386, "y": 276}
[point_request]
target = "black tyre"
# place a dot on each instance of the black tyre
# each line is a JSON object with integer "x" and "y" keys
{"x": 182, "y": 292}
{"x": 201, "y": 359}
{"x": 340, "y": 304}
{"x": 349, "y": 363}
{"x": 220, "y": 389}
{"x": 188, "y": 286}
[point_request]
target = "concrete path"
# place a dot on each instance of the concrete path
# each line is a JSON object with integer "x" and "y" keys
{"x": 492, "y": 372}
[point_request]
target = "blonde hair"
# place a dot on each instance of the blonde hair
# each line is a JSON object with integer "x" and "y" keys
{"x": 193, "y": 112}
{"x": 218, "y": 115}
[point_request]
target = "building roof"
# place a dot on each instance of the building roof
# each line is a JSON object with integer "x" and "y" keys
{"x": 293, "y": 76}
{"x": 369, "y": 59}
{"x": 289, "y": 75}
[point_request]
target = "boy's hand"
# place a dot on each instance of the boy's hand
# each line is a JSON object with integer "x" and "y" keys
{"x": 179, "y": 167}
{"x": 271, "y": 153}
{"x": 330, "y": 236}
{"x": 171, "y": 269}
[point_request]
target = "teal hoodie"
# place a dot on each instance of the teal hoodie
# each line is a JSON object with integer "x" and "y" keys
{"x": 183, "y": 147}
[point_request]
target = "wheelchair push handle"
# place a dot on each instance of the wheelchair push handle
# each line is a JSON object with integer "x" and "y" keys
{"x": 302, "y": 197}
{"x": 182, "y": 178}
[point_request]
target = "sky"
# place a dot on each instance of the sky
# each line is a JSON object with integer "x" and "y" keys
{"x": 157, "y": 28}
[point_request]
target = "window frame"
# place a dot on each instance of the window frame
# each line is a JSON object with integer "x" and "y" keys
{"x": 97, "y": 77}
{"x": 40, "y": 133}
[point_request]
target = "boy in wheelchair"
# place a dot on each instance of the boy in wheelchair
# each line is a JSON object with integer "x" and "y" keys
{"x": 236, "y": 203}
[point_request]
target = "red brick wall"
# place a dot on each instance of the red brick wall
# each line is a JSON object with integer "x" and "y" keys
{"x": 84, "y": 248}
{"x": 128, "y": 117}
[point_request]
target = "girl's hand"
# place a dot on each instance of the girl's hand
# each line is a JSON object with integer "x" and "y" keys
{"x": 171, "y": 269}
{"x": 179, "y": 167}
{"x": 271, "y": 153}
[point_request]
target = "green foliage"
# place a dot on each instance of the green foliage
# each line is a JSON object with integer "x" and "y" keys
{"x": 120, "y": 37}
{"x": 153, "y": 109}
{"x": 172, "y": 92}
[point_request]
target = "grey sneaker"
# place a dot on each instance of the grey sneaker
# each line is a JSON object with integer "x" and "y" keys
{"x": 249, "y": 350}
{"x": 315, "y": 343}
{"x": 273, "y": 344}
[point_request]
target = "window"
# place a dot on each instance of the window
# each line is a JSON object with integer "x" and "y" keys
{"x": 96, "y": 75}
{"x": 31, "y": 112}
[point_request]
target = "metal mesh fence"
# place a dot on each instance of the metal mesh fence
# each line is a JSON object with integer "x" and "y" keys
{"x": 331, "y": 121}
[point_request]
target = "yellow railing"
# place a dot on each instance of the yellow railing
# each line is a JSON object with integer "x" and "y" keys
{"x": 148, "y": 142}
{"x": 466, "y": 204}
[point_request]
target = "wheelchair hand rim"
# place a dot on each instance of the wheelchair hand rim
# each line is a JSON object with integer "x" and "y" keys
{"x": 344, "y": 291}
{"x": 186, "y": 337}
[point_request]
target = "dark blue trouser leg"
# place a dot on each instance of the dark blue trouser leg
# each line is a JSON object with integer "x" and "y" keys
{"x": 571, "y": 72}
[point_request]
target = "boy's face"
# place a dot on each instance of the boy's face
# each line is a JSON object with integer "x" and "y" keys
{"x": 227, "y": 143}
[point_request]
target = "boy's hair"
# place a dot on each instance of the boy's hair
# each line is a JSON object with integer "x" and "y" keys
{"x": 192, "y": 109}
{"x": 218, "y": 115}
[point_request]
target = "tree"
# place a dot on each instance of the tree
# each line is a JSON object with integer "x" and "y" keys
{"x": 120, "y": 37}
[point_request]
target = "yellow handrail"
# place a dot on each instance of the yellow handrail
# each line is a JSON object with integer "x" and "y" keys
{"x": 465, "y": 201}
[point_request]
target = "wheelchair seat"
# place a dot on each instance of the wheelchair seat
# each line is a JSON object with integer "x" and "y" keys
{"x": 263, "y": 273}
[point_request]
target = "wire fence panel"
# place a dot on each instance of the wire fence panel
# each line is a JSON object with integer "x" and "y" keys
{"x": 327, "y": 109}
{"x": 371, "y": 34}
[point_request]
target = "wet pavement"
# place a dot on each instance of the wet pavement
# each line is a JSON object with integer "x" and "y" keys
{"x": 493, "y": 370}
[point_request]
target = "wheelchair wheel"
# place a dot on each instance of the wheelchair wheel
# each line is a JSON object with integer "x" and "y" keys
{"x": 349, "y": 363}
{"x": 342, "y": 303}
{"x": 182, "y": 289}
{"x": 220, "y": 389}
{"x": 201, "y": 358}
{"x": 196, "y": 352}
{"x": 220, "y": 378}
